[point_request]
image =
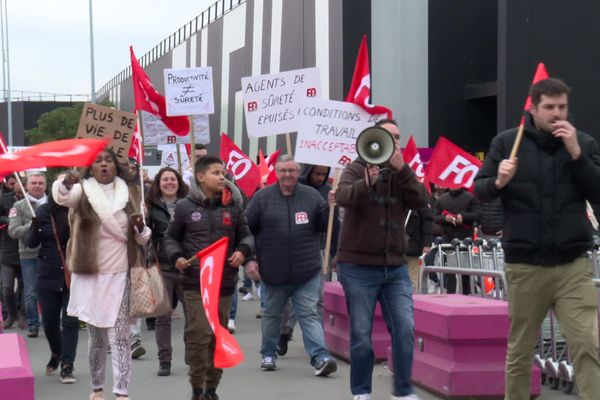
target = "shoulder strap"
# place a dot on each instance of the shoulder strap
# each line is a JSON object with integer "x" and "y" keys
{"x": 60, "y": 251}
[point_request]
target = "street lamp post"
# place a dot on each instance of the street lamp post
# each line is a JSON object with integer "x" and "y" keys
{"x": 92, "y": 53}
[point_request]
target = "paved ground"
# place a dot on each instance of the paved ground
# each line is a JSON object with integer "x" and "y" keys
{"x": 294, "y": 378}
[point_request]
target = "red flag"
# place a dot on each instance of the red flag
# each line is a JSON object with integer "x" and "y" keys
{"x": 2, "y": 144}
{"x": 136, "y": 145}
{"x": 540, "y": 74}
{"x": 60, "y": 153}
{"x": 451, "y": 167}
{"x": 148, "y": 99}
{"x": 228, "y": 352}
{"x": 360, "y": 89}
{"x": 267, "y": 167}
{"x": 413, "y": 158}
{"x": 245, "y": 173}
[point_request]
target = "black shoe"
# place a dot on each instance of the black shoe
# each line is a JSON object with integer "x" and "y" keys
{"x": 164, "y": 369}
{"x": 53, "y": 364}
{"x": 197, "y": 394}
{"x": 211, "y": 394}
{"x": 33, "y": 332}
{"x": 325, "y": 367}
{"x": 9, "y": 322}
{"x": 282, "y": 346}
{"x": 243, "y": 290}
{"x": 66, "y": 374}
{"x": 137, "y": 350}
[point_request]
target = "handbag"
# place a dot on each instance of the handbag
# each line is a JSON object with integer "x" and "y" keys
{"x": 60, "y": 253}
{"x": 149, "y": 297}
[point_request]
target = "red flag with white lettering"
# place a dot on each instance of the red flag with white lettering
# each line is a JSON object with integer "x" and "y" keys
{"x": 452, "y": 167}
{"x": 59, "y": 153}
{"x": 245, "y": 173}
{"x": 267, "y": 167}
{"x": 413, "y": 158}
{"x": 540, "y": 74}
{"x": 228, "y": 352}
{"x": 136, "y": 148}
{"x": 360, "y": 89}
{"x": 147, "y": 98}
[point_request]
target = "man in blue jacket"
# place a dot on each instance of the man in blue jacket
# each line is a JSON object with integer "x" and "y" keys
{"x": 546, "y": 236}
{"x": 287, "y": 220}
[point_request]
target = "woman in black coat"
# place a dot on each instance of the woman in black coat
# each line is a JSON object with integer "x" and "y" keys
{"x": 50, "y": 228}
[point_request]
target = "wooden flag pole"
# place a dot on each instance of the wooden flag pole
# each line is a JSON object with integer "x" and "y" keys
{"x": 192, "y": 144}
{"x": 517, "y": 144}
{"x": 325, "y": 266}
{"x": 141, "y": 160}
{"x": 179, "y": 167}
{"x": 288, "y": 142}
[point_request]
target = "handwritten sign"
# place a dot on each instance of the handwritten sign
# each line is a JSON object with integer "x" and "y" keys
{"x": 189, "y": 91}
{"x": 104, "y": 122}
{"x": 156, "y": 133}
{"x": 328, "y": 130}
{"x": 271, "y": 102}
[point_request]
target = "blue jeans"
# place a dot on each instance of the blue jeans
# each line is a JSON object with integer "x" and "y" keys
{"x": 364, "y": 285}
{"x": 234, "y": 301}
{"x": 304, "y": 299}
{"x": 29, "y": 271}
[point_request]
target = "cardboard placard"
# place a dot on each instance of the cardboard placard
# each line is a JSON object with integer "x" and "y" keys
{"x": 104, "y": 122}
{"x": 157, "y": 133}
{"x": 271, "y": 102}
{"x": 328, "y": 130}
{"x": 189, "y": 91}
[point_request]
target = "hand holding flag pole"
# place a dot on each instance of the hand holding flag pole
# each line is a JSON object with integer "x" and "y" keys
{"x": 540, "y": 74}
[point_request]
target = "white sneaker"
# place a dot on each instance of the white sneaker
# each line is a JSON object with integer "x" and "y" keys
{"x": 365, "y": 396}
{"x": 248, "y": 296}
{"x": 409, "y": 397}
{"x": 231, "y": 326}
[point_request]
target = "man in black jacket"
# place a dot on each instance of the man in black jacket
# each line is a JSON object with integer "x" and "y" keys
{"x": 546, "y": 236}
{"x": 287, "y": 220}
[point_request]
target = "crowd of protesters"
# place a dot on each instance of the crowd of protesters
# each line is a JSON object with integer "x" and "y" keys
{"x": 277, "y": 236}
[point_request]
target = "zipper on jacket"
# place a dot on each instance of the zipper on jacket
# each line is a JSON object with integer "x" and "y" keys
{"x": 290, "y": 268}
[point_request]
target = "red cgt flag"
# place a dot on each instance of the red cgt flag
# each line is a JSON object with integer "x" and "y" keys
{"x": 360, "y": 89}
{"x": 245, "y": 173}
{"x": 228, "y": 352}
{"x": 451, "y": 167}
{"x": 147, "y": 98}
{"x": 60, "y": 153}
{"x": 540, "y": 74}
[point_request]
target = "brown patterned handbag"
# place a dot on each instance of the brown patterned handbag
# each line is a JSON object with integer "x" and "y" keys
{"x": 149, "y": 297}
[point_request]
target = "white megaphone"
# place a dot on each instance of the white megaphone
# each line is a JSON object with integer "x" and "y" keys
{"x": 375, "y": 145}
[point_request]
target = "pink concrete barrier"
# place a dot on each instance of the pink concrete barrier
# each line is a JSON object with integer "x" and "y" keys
{"x": 460, "y": 346}
{"x": 16, "y": 375}
{"x": 336, "y": 325}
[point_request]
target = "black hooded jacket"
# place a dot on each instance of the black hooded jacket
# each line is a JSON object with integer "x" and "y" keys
{"x": 51, "y": 269}
{"x": 545, "y": 220}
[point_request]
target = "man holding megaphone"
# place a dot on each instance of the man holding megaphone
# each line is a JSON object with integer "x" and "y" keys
{"x": 377, "y": 190}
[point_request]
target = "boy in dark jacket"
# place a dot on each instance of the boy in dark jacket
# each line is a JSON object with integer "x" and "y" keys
{"x": 208, "y": 213}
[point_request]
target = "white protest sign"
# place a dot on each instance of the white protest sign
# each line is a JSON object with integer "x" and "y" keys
{"x": 271, "y": 101}
{"x": 327, "y": 131}
{"x": 169, "y": 156}
{"x": 155, "y": 132}
{"x": 189, "y": 91}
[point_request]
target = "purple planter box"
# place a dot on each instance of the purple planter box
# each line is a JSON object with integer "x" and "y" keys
{"x": 16, "y": 376}
{"x": 335, "y": 323}
{"x": 460, "y": 346}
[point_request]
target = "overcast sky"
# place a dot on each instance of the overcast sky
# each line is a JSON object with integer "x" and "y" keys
{"x": 49, "y": 39}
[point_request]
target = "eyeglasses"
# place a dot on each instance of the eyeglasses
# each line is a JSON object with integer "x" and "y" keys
{"x": 287, "y": 170}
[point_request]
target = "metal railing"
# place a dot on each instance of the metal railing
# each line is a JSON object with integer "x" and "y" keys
{"x": 211, "y": 14}
{"x": 27, "y": 95}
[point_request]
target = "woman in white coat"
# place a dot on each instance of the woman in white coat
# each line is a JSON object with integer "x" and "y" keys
{"x": 107, "y": 233}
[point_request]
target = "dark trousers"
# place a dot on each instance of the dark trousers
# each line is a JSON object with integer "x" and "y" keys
{"x": 162, "y": 325}
{"x": 10, "y": 298}
{"x": 63, "y": 341}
